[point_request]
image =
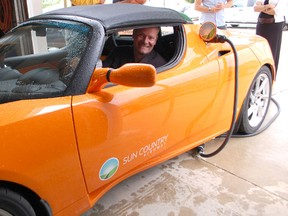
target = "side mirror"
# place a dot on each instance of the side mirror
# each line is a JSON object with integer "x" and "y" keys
{"x": 133, "y": 75}
{"x": 207, "y": 31}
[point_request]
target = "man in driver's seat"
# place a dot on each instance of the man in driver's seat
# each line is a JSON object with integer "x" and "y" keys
{"x": 142, "y": 51}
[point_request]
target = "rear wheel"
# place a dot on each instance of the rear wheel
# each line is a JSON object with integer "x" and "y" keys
{"x": 13, "y": 204}
{"x": 256, "y": 104}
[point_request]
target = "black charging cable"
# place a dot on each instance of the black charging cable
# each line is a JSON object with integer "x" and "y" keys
{"x": 262, "y": 129}
{"x": 229, "y": 134}
{"x": 200, "y": 149}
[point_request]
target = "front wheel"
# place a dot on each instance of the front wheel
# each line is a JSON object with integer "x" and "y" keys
{"x": 13, "y": 204}
{"x": 256, "y": 104}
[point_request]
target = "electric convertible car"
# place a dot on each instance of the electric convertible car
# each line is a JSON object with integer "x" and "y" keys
{"x": 71, "y": 129}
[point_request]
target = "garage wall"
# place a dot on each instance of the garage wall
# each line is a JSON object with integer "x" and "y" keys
{"x": 12, "y": 13}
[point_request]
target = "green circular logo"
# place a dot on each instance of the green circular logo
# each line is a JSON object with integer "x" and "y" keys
{"x": 109, "y": 168}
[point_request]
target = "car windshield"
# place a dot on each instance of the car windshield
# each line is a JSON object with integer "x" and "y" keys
{"x": 40, "y": 59}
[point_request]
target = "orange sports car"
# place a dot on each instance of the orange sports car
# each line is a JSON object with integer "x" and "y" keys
{"x": 71, "y": 129}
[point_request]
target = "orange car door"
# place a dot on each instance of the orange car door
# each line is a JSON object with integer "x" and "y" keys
{"x": 116, "y": 137}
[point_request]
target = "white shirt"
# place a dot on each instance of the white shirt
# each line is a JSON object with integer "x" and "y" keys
{"x": 217, "y": 18}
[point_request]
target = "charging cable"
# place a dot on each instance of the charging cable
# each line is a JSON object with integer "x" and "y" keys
{"x": 200, "y": 149}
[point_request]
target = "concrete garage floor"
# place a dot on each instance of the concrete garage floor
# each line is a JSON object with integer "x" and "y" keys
{"x": 249, "y": 177}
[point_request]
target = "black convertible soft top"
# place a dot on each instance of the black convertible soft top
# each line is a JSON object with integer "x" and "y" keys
{"x": 116, "y": 15}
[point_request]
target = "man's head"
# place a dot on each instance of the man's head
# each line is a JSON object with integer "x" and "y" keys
{"x": 145, "y": 40}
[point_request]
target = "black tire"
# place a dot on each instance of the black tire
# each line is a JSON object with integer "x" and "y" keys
{"x": 13, "y": 204}
{"x": 256, "y": 103}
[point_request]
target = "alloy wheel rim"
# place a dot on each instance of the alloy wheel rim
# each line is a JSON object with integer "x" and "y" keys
{"x": 259, "y": 100}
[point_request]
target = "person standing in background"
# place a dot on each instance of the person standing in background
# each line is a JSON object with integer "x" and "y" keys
{"x": 213, "y": 11}
{"x": 270, "y": 24}
{"x": 86, "y": 2}
{"x": 130, "y": 1}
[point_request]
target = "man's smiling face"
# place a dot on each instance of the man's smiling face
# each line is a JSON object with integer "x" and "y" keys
{"x": 145, "y": 40}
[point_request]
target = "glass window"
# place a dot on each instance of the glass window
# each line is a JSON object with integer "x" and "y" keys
{"x": 39, "y": 60}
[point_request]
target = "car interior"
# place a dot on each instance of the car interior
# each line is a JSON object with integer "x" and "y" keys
{"x": 167, "y": 44}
